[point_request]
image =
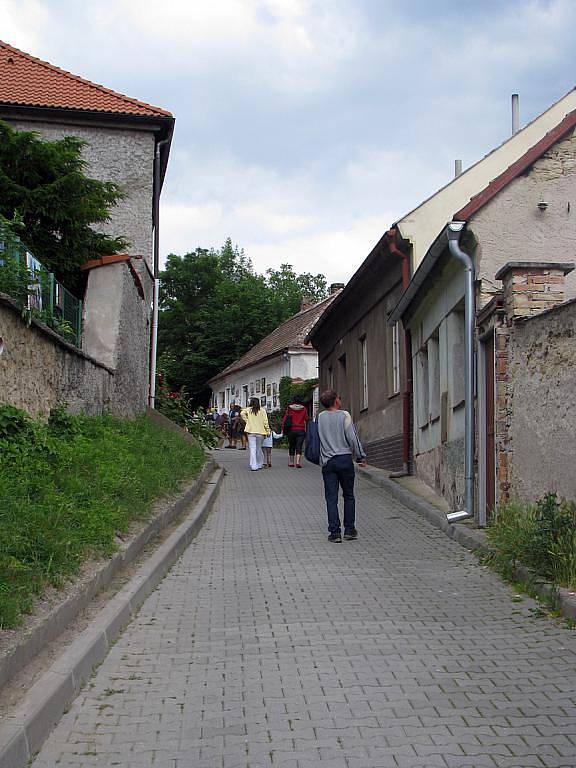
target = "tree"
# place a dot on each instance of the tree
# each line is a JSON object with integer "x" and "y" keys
{"x": 215, "y": 307}
{"x": 44, "y": 190}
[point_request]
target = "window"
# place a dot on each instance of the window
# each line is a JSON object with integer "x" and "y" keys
{"x": 330, "y": 378}
{"x": 434, "y": 376}
{"x": 396, "y": 358}
{"x": 423, "y": 387}
{"x": 364, "y": 372}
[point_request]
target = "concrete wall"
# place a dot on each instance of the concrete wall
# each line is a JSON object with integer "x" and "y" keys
{"x": 512, "y": 228}
{"x": 542, "y": 372}
{"x": 39, "y": 371}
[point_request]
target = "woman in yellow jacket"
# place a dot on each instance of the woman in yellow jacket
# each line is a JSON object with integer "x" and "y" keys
{"x": 257, "y": 428}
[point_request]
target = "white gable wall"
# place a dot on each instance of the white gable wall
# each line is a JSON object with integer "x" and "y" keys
{"x": 230, "y": 389}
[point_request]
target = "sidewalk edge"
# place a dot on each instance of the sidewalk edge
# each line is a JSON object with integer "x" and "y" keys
{"x": 470, "y": 538}
{"x": 24, "y": 732}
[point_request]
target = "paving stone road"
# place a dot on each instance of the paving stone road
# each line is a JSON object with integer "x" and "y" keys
{"x": 266, "y": 645}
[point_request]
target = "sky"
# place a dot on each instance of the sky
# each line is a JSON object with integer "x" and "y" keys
{"x": 306, "y": 128}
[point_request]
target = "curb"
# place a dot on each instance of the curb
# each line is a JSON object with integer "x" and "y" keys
{"x": 24, "y": 732}
{"x": 56, "y": 621}
{"x": 472, "y": 539}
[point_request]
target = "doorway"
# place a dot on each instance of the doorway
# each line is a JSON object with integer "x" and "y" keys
{"x": 487, "y": 431}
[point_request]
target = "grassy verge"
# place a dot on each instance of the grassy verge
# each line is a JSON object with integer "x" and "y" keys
{"x": 69, "y": 486}
{"x": 540, "y": 536}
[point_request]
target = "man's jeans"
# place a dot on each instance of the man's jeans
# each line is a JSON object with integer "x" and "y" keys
{"x": 339, "y": 472}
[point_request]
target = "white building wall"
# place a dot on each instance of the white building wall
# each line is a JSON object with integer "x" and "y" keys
{"x": 230, "y": 389}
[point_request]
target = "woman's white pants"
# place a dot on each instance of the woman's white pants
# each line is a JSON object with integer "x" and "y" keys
{"x": 256, "y": 454}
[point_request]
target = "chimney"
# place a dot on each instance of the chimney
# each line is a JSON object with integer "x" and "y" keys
{"x": 515, "y": 114}
{"x": 305, "y": 303}
{"x": 457, "y": 168}
{"x": 335, "y": 287}
{"x": 531, "y": 287}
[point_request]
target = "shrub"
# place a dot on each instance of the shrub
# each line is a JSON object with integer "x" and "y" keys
{"x": 175, "y": 405}
{"x": 541, "y": 536}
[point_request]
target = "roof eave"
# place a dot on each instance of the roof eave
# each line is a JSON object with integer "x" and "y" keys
{"x": 420, "y": 276}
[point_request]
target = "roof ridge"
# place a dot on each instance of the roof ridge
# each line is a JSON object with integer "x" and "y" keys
{"x": 97, "y": 86}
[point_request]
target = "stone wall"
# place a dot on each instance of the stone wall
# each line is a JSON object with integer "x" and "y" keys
{"x": 542, "y": 372}
{"x": 38, "y": 370}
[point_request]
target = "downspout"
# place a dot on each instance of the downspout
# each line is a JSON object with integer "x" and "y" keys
{"x": 454, "y": 231}
{"x": 407, "y": 391}
{"x": 156, "y": 290}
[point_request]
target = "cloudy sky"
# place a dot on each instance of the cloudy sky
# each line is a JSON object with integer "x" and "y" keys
{"x": 305, "y": 128}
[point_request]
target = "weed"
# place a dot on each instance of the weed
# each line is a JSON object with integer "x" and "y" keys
{"x": 541, "y": 536}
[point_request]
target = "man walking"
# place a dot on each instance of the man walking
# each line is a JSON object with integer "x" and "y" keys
{"x": 338, "y": 444}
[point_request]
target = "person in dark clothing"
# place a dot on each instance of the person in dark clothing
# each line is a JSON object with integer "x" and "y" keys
{"x": 294, "y": 426}
{"x": 339, "y": 443}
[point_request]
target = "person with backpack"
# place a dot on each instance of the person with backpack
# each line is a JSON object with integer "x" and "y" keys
{"x": 294, "y": 426}
{"x": 339, "y": 443}
{"x": 257, "y": 428}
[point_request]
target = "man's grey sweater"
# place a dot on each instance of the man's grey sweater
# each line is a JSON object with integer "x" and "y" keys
{"x": 338, "y": 436}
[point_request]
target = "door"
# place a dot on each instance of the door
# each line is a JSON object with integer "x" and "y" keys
{"x": 490, "y": 442}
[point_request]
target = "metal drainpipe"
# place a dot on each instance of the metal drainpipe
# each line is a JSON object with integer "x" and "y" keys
{"x": 455, "y": 229}
{"x": 156, "y": 290}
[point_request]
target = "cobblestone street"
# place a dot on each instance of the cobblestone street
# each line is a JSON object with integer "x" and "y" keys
{"x": 267, "y": 646}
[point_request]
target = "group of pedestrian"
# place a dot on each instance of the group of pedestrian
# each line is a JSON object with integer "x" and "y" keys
{"x": 340, "y": 446}
{"x": 230, "y": 426}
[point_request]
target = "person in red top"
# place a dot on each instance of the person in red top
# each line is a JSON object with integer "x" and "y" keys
{"x": 294, "y": 426}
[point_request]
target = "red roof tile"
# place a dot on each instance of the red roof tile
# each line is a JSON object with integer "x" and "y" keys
{"x": 28, "y": 81}
{"x": 290, "y": 335}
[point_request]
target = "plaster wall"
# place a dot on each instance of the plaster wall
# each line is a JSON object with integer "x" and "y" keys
{"x": 295, "y": 365}
{"x": 116, "y": 322}
{"x": 542, "y": 373}
{"x": 422, "y": 225}
{"x": 379, "y": 425}
{"x": 38, "y": 371}
{"x": 125, "y": 157}
{"x": 512, "y": 228}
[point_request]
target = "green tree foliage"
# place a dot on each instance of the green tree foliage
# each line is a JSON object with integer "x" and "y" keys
{"x": 44, "y": 189}
{"x": 214, "y": 307}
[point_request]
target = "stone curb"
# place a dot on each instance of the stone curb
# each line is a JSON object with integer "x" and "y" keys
{"x": 61, "y": 615}
{"x": 470, "y": 538}
{"x": 24, "y": 732}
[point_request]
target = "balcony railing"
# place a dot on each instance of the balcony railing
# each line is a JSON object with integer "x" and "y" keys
{"x": 37, "y": 291}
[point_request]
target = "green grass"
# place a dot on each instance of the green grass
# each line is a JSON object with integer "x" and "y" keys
{"x": 67, "y": 488}
{"x": 540, "y": 536}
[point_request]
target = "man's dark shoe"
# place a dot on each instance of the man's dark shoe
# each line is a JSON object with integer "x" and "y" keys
{"x": 335, "y": 537}
{"x": 351, "y": 534}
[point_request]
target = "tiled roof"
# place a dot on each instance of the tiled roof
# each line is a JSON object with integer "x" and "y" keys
{"x": 290, "y": 335}
{"x": 28, "y": 81}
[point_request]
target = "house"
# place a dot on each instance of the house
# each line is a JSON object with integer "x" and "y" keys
{"x": 128, "y": 142}
{"x": 359, "y": 353}
{"x": 518, "y": 236}
{"x": 284, "y": 352}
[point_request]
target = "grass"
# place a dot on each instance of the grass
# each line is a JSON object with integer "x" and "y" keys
{"x": 69, "y": 487}
{"x": 540, "y": 536}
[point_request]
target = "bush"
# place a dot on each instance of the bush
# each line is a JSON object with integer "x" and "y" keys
{"x": 287, "y": 391}
{"x": 175, "y": 405}
{"x": 69, "y": 486}
{"x": 541, "y": 536}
